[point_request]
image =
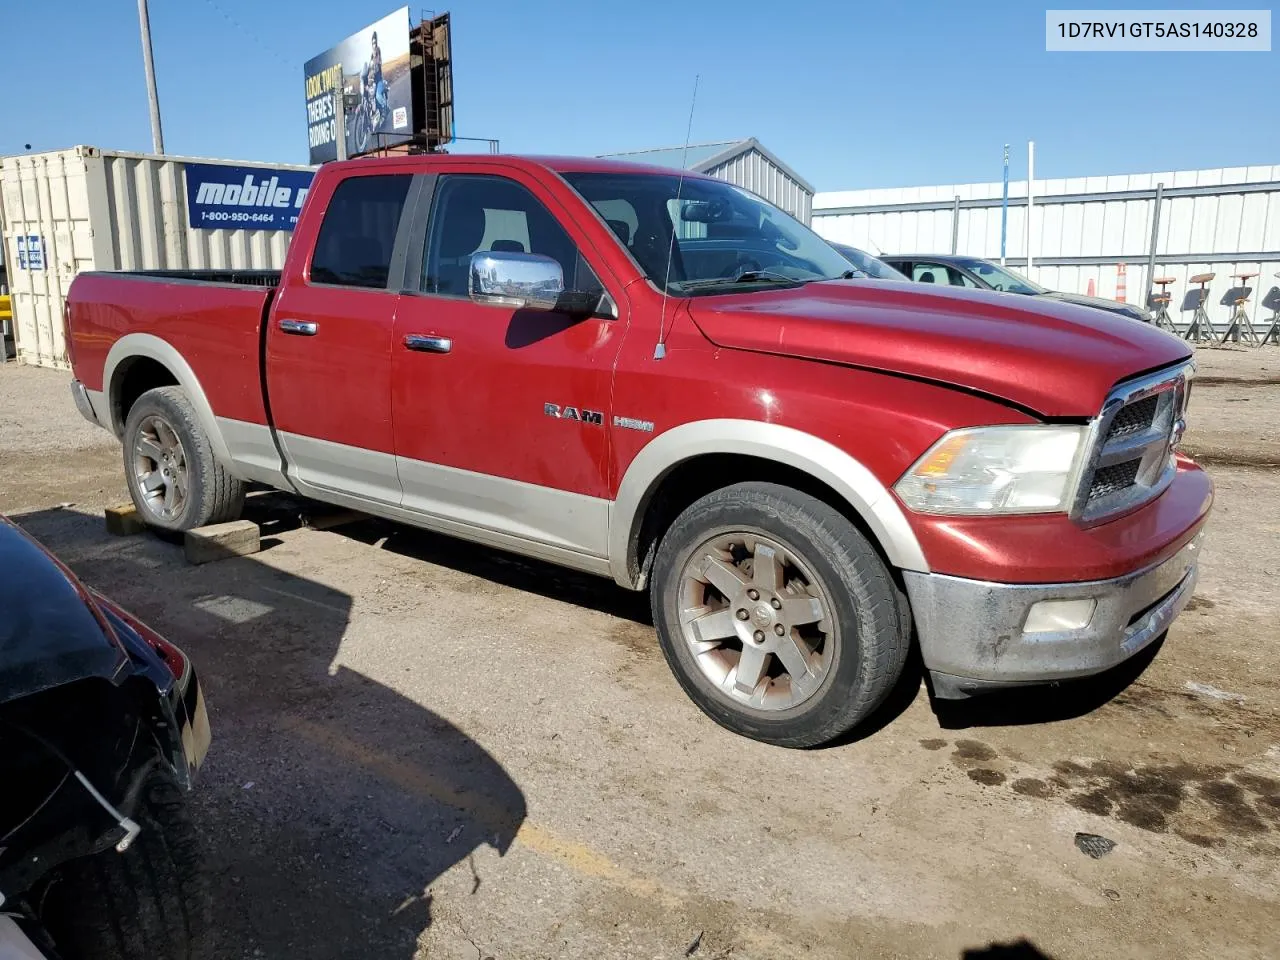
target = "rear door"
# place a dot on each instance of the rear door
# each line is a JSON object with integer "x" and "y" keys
{"x": 501, "y": 415}
{"x": 328, "y": 359}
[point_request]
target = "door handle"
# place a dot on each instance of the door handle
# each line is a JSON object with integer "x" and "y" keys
{"x": 426, "y": 344}
{"x": 301, "y": 328}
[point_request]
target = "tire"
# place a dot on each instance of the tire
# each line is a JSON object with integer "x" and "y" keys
{"x": 149, "y": 903}
{"x": 853, "y": 655}
{"x": 206, "y": 494}
{"x": 364, "y": 129}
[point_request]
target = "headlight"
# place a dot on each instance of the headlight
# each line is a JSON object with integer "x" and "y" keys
{"x": 1014, "y": 469}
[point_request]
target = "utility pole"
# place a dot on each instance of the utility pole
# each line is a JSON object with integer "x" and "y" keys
{"x": 1031, "y": 195}
{"x": 340, "y": 118}
{"x": 1004, "y": 207}
{"x": 144, "y": 23}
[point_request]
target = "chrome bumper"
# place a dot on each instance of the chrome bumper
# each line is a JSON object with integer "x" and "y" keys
{"x": 972, "y": 632}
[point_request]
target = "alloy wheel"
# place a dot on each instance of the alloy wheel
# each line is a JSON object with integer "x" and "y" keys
{"x": 756, "y": 620}
{"x": 160, "y": 468}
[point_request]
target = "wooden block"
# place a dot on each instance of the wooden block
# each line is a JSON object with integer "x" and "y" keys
{"x": 338, "y": 518}
{"x": 239, "y": 538}
{"x": 123, "y": 521}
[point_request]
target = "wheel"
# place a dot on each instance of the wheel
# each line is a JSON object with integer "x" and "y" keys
{"x": 174, "y": 479}
{"x": 778, "y": 618}
{"x": 363, "y": 130}
{"x": 149, "y": 903}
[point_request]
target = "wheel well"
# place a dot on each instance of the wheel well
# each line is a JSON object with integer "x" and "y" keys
{"x": 695, "y": 478}
{"x": 132, "y": 379}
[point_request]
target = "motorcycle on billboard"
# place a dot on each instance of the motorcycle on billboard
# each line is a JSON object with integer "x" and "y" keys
{"x": 371, "y": 69}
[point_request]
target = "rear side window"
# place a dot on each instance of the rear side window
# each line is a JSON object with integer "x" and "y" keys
{"x": 358, "y": 232}
{"x": 929, "y": 273}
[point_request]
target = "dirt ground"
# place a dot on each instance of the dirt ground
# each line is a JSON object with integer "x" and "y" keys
{"x": 428, "y": 750}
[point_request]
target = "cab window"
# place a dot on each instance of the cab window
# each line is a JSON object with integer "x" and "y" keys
{"x": 473, "y": 214}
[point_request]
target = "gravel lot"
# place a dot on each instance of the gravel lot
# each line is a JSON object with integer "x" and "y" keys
{"x": 425, "y": 749}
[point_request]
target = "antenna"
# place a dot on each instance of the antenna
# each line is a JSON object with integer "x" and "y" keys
{"x": 660, "y": 348}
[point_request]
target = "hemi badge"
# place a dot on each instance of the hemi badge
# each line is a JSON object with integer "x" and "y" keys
{"x": 631, "y": 423}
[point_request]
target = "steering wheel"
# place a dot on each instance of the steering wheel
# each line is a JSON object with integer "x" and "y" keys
{"x": 741, "y": 267}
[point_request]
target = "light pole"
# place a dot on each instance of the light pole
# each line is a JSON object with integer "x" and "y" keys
{"x": 1004, "y": 206}
{"x": 144, "y": 23}
{"x": 1031, "y": 195}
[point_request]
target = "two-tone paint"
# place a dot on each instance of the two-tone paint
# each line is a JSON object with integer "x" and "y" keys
{"x": 846, "y": 382}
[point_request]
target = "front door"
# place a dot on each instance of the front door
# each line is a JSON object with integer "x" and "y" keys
{"x": 502, "y": 416}
{"x": 329, "y": 345}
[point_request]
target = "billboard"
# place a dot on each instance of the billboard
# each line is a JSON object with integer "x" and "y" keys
{"x": 372, "y": 68}
{"x": 220, "y": 196}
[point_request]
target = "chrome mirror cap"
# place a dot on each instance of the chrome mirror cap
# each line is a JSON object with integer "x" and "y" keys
{"x": 528, "y": 281}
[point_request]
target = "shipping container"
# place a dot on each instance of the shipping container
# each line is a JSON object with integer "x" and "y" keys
{"x": 90, "y": 209}
{"x": 1091, "y": 234}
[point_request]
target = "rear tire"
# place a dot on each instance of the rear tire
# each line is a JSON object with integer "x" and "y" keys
{"x": 750, "y": 574}
{"x": 174, "y": 479}
{"x": 150, "y": 902}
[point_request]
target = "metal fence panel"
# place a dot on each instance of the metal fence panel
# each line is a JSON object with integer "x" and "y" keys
{"x": 1222, "y": 221}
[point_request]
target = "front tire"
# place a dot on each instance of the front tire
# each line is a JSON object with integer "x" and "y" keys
{"x": 174, "y": 479}
{"x": 777, "y": 616}
{"x": 149, "y": 903}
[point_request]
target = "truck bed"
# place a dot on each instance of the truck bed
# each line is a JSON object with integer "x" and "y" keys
{"x": 212, "y": 320}
{"x": 250, "y": 278}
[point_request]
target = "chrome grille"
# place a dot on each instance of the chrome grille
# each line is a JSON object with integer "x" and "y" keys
{"x": 1116, "y": 477}
{"x": 1130, "y": 456}
{"x": 1133, "y": 417}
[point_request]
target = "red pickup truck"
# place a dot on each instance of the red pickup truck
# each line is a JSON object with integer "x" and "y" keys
{"x": 664, "y": 380}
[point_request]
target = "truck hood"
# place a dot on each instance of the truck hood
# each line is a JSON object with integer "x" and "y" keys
{"x": 1100, "y": 303}
{"x": 1056, "y": 359}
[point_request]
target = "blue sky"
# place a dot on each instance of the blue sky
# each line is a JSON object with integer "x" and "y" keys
{"x": 851, "y": 94}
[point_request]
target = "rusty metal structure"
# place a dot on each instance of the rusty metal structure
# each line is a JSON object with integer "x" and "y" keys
{"x": 431, "y": 67}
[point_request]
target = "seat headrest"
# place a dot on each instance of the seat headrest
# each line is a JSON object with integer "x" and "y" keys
{"x": 622, "y": 229}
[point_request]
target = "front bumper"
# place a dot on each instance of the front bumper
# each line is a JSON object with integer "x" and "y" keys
{"x": 972, "y": 633}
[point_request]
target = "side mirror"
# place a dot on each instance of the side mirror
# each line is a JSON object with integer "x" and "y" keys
{"x": 527, "y": 281}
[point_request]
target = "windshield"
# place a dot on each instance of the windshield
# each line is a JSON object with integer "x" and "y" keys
{"x": 999, "y": 278}
{"x": 726, "y": 238}
{"x": 867, "y": 264}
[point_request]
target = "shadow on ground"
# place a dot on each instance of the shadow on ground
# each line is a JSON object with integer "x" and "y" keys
{"x": 1017, "y": 950}
{"x": 508, "y": 569}
{"x": 583, "y": 590}
{"x": 330, "y": 802}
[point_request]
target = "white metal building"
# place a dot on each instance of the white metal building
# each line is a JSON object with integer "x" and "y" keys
{"x": 745, "y": 163}
{"x": 1223, "y": 221}
{"x": 101, "y": 210}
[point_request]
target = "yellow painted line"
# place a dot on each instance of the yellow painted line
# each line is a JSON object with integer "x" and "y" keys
{"x": 496, "y": 819}
{"x": 492, "y": 816}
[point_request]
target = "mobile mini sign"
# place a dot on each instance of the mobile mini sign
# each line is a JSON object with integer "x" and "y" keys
{"x": 221, "y": 197}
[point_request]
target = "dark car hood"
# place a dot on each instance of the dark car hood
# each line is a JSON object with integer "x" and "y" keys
{"x": 1055, "y": 358}
{"x": 50, "y": 632}
{"x": 1098, "y": 303}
